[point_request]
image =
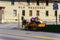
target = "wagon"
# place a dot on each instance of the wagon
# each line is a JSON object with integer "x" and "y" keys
{"x": 34, "y": 26}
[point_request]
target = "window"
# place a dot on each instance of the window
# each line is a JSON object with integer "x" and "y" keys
{"x": 23, "y": 12}
{"x": 28, "y": 1}
{"x": 18, "y": 0}
{"x": 16, "y": 19}
{"x": 47, "y": 2}
{"x": 12, "y": 2}
{"x": 46, "y": 13}
{"x": 37, "y": 13}
{"x": 30, "y": 13}
{"x": 15, "y": 12}
{"x": 37, "y": 2}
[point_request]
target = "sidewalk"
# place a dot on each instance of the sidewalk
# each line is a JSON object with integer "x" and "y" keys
{"x": 9, "y": 26}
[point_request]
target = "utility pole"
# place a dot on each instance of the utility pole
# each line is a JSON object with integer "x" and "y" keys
{"x": 18, "y": 19}
{"x": 18, "y": 22}
{"x": 56, "y": 16}
{"x": 22, "y": 21}
{"x": 55, "y": 7}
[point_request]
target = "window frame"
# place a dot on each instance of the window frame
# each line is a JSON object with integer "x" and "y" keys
{"x": 47, "y": 2}
{"x": 12, "y": 2}
{"x": 37, "y": 2}
{"x": 15, "y": 12}
{"x": 47, "y": 13}
{"x": 37, "y": 13}
{"x": 23, "y": 12}
{"x": 30, "y": 12}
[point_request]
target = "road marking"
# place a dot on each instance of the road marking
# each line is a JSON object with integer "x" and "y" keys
{"x": 27, "y": 35}
{"x": 9, "y": 33}
{"x": 45, "y": 37}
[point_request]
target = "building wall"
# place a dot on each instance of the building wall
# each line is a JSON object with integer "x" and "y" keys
{"x": 8, "y": 15}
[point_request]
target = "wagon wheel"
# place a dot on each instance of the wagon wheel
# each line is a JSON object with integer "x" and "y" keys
{"x": 34, "y": 27}
{"x": 31, "y": 26}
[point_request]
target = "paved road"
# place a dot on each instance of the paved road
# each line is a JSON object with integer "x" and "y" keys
{"x": 26, "y": 34}
{"x": 31, "y": 34}
{"x": 10, "y": 37}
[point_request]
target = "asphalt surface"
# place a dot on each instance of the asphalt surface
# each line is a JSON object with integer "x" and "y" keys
{"x": 10, "y": 37}
{"x": 28, "y": 35}
{"x": 8, "y": 33}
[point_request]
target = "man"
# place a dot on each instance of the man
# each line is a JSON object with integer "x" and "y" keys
{"x": 23, "y": 22}
{"x": 37, "y": 20}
